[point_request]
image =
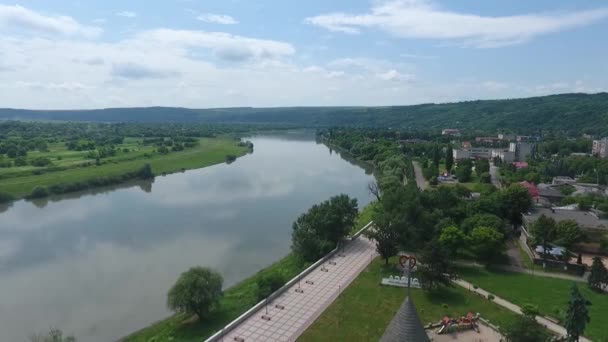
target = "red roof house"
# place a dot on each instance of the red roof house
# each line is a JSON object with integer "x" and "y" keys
{"x": 520, "y": 165}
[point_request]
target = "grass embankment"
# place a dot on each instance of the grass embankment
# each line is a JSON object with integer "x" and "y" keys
{"x": 549, "y": 294}
{"x": 209, "y": 151}
{"x": 365, "y": 308}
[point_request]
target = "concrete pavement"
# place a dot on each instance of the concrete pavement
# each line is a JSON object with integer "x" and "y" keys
{"x": 290, "y": 314}
{"x": 420, "y": 181}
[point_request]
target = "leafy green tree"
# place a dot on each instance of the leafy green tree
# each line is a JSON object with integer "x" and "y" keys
{"x": 577, "y": 315}
{"x": 482, "y": 166}
{"x": 487, "y": 243}
{"x": 436, "y": 156}
{"x": 453, "y": 239}
{"x": 6, "y": 197}
{"x": 525, "y": 329}
{"x": 39, "y": 192}
{"x": 485, "y": 178}
{"x": 567, "y": 233}
{"x": 318, "y": 231}
{"x": 464, "y": 172}
{"x": 54, "y": 335}
{"x": 145, "y": 172}
{"x": 435, "y": 266}
{"x": 449, "y": 158}
{"x": 197, "y": 291}
{"x": 385, "y": 233}
{"x": 482, "y": 220}
{"x": 598, "y": 278}
{"x": 544, "y": 231}
{"x": 515, "y": 200}
{"x": 530, "y": 310}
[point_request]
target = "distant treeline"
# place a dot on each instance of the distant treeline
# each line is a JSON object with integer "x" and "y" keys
{"x": 570, "y": 113}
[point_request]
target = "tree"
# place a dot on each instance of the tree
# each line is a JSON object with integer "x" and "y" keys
{"x": 487, "y": 243}
{"x": 435, "y": 266}
{"x": 317, "y": 231}
{"x": 485, "y": 178}
{"x": 54, "y": 335}
{"x": 544, "y": 230}
{"x": 530, "y": 310}
{"x": 525, "y": 329}
{"x": 515, "y": 200}
{"x": 464, "y": 172}
{"x": 599, "y": 275}
{"x": 482, "y": 220}
{"x": 482, "y": 166}
{"x": 577, "y": 315}
{"x": 453, "y": 239}
{"x": 449, "y": 158}
{"x": 197, "y": 291}
{"x": 436, "y": 156}
{"x": 145, "y": 172}
{"x": 567, "y": 233}
{"x": 385, "y": 233}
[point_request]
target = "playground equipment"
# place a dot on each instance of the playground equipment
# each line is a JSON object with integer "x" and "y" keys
{"x": 451, "y": 325}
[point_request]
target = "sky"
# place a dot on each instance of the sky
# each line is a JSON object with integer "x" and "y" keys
{"x": 71, "y": 54}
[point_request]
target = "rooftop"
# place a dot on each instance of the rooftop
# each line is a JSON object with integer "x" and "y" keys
{"x": 584, "y": 219}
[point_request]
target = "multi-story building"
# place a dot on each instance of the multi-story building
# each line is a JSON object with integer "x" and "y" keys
{"x": 600, "y": 148}
{"x": 522, "y": 150}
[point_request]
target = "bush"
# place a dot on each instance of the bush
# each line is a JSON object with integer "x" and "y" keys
{"x": 491, "y": 297}
{"x": 40, "y": 162}
{"x": 485, "y": 178}
{"x": 268, "y": 283}
{"x": 230, "y": 158}
{"x": 20, "y": 161}
{"x": 5, "y": 197}
{"x": 39, "y": 192}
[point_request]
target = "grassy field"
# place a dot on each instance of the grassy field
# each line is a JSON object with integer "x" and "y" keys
{"x": 365, "y": 308}
{"x": 235, "y": 302}
{"x": 549, "y": 294}
{"x": 210, "y": 151}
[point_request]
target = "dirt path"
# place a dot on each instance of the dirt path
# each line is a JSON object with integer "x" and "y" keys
{"x": 420, "y": 181}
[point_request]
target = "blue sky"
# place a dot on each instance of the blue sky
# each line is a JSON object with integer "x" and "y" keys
{"x": 222, "y": 53}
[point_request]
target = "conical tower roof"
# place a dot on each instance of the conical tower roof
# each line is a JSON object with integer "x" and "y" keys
{"x": 405, "y": 326}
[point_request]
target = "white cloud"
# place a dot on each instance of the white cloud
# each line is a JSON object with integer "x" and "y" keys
{"x": 424, "y": 19}
{"x": 395, "y": 76}
{"x": 137, "y": 71}
{"x": 127, "y": 14}
{"x": 224, "y": 45}
{"x": 217, "y": 19}
{"x": 99, "y": 21}
{"x": 20, "y": 18}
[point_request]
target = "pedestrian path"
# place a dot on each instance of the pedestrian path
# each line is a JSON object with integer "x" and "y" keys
{"x": 289, "y": 315}
{"x": 556, "y": 328}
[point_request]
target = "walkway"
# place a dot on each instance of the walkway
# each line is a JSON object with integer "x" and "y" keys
{"x": 298, "y": 307}
{"x": 422, "y": 184}
{"x": 556, "y": 328}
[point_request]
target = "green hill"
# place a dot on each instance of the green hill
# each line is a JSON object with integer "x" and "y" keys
{"x": 566, "y": 112}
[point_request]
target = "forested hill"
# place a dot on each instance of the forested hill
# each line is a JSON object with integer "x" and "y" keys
{"x": 566, "y": 112}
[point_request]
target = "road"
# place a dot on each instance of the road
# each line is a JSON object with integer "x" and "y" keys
{"x": 556, "y": 328}
{"x": 494, "y": 173}
{"x": 420, "y": 181}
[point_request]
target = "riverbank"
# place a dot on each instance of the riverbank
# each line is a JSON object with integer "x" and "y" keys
{"x": 209, "y": 151}
{"x": 236, "y": 301}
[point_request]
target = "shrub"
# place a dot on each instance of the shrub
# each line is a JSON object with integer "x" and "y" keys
{"x": 268, "y": 283}
{"x": 197, "y": 291}
{"x": 39, "y": 192}
{"x": 5, "y": 197}
{"x": 40, "y": 162}
{"x": 230, "y": 158}
{"x": 491, "y": 297}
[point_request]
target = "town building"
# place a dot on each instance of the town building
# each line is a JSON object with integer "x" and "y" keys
{"x": 561, "y": 180}
{"x": 522, "y": 150}
{"x": 600, "y": 148}
{"x": 586, "y": 220}
{"x": 451, "y": 131}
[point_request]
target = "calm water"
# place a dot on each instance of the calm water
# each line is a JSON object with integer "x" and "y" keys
{"x": 99, "y": 264}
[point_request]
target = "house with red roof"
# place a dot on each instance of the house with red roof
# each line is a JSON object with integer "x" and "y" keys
{"x": 532, "y": 190}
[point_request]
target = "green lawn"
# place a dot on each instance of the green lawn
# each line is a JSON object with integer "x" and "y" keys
{"x": 549, "y": 294}
{"x": 365, "y": 308}
{"x": 210, "y": 151}
{"x": 235, "y": 302}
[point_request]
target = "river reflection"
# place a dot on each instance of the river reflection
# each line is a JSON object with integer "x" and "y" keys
{"x": 98, "y": 264}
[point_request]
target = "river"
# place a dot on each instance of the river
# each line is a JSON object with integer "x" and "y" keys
{"x": 99, "y": 264}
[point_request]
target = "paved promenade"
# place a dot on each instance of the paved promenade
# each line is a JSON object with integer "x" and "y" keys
{"x": 290, "y": 314}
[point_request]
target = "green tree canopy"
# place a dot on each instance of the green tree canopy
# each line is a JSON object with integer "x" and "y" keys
{"x": 197, "y": 291}
{"x": 598, "y": 278}
{"x": 577, "y": 315}
{"x": 567, "y": 233}
{"x": 487, "y": 243}
{"x": 453, "y": 239}
{"x": 544, "y": 231}
{"x": 435, "y": 266}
